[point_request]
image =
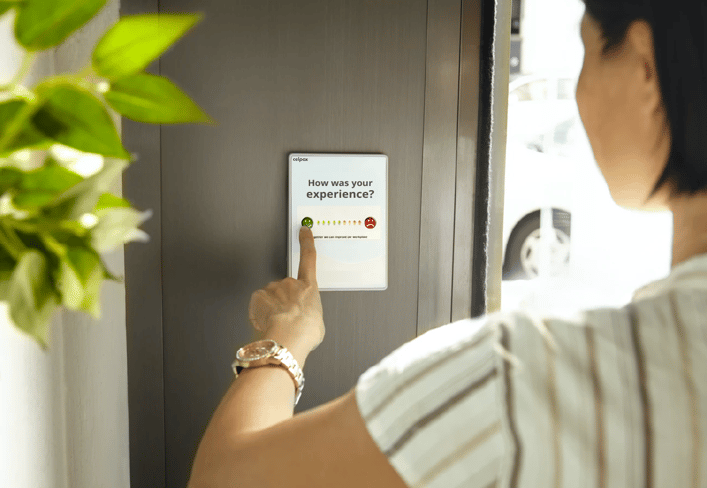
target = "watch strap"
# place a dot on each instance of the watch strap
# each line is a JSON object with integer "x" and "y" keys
{"x": 288, "y": 361}
{"x": 282, "y": 357}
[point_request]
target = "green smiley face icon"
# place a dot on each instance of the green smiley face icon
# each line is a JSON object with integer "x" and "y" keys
{"x": 308, "y": 222}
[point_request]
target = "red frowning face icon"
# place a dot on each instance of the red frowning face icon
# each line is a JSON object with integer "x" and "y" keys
{"x": 370, "y": 223}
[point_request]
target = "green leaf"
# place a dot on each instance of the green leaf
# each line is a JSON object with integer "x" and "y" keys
{"x": 31, "y": 297}
{"x": 83, "y": 197}
{"x": 153, "y": 99}
{"x": 71, "y": 228}
{"x": 108, "y": 200}
{"x": 32, "y": 199}
{"x": 107, "y": 275}
{"x": 5, "y": 6}
{"x": 29, "y": 136}
{"x": 7, "y": 265}
{"x": 77, "y": 119}
{"x": 118, "y": 226}
{"x": 137, "y": 40}
{"x": 9, "y": 178}
{"x": 79, "y": 280}
{"x": 53, "y": 245}
{"x": 39, "y": 187}
{"x": 41, "y": 24}
{"x": 52, "y": 178}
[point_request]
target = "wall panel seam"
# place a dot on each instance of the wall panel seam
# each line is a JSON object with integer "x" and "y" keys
{"x": 456, "y": 158}
{"x": 438, "y": 164}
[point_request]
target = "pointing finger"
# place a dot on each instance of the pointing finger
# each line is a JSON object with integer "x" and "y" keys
{"x": 308, "y": 256}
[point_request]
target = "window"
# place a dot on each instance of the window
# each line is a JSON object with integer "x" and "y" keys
{"x": 566, "y": 243}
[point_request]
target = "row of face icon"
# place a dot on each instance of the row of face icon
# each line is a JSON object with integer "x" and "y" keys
{"x": 370, "y": 222}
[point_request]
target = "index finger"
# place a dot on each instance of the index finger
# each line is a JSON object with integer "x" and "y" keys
{"x": 308, "y": 256}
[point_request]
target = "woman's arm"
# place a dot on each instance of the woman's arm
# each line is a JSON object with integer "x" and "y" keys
{"x": 328, "y": 446}
{"x": 253, "y": 439}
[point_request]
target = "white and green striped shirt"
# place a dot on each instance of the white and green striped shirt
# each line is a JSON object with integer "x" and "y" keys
{"x": 609, "y": 398}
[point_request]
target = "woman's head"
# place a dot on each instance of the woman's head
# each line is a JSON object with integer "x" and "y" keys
{"x": 642, "y": 96}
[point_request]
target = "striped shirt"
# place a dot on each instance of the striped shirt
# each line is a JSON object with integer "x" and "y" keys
{"x": 606, "y": 398}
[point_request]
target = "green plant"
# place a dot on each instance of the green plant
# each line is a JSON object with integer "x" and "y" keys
{"x": 57, "y": 216}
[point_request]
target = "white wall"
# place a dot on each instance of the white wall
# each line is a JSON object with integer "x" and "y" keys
{"x": 64, "y": 411}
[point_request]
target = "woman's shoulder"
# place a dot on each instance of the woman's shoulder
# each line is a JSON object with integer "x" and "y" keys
{"x": 499, "y": 332}
{"x": 529, "y": 326}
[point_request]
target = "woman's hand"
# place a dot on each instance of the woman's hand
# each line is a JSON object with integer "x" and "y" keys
{"x": 289, "y": 311}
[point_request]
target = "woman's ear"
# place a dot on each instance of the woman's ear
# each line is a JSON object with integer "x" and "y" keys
{"x": 639, "y": 37}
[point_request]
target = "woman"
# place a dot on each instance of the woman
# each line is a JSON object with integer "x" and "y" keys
{"x": 606, "y": 398}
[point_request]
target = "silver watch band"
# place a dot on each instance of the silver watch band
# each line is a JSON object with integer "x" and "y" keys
{"x": 288, "y": 360}
{"x": 281, "y": 357}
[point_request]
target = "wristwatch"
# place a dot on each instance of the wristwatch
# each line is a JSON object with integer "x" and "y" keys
{"x": 263, "y": 353}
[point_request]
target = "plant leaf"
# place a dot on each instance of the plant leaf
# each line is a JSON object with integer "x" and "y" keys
{"x": 137, "y": 40}
{"x": 107, "y": 275}
{"x": 83, "y": 197}
{"x": 71, "y": 228}
{"x": 7, "y": 264}
{"x": 52, "y": 245}
{"x": 79, "y": 280}
{"x": 31, "y": 297}
{"x": 29, "y": 137}
{"x": 9, "y": 178}
{"x": 32, "y": 199}
{"x": 153, "y": 99}
{"x": 53, "y": 178}
{"x": 41, "y": 24}
{"x": 39, "y": 187}
{"x": 77, "y": 119}
{"x": 118, "y": 226}
{"x": 108, "y": 200}
{"x": 5, "y": 6}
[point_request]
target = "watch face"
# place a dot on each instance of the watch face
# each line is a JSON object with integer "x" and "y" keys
{"x": 256, "y": 350}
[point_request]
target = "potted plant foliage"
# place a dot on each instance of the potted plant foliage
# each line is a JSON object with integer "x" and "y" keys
{"x": 60, "y": 154}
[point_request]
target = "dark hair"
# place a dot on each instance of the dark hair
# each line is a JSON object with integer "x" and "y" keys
{"x": 680, "y": 43}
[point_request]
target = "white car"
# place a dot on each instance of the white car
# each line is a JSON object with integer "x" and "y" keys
{"x": 549, "y": 167}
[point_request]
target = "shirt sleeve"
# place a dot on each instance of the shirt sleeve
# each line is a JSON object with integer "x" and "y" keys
{"x": 434, "y": 406}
